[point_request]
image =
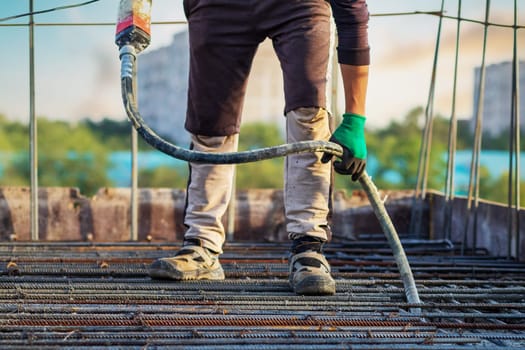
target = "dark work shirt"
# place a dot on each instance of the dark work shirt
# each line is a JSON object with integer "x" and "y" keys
{"x": 351, "y": 19}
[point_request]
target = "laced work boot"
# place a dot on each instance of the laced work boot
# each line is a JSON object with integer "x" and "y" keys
{"x": 309, "y": 270}
{"x": 192, "y": 262}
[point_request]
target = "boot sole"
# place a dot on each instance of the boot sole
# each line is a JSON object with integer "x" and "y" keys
{"x": 217, "y": 274}
{"x": 315, "y": 285}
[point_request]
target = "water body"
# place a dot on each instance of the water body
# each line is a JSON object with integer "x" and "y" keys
{"x": 119, "y": 171}
{"x": 497, "y": 162}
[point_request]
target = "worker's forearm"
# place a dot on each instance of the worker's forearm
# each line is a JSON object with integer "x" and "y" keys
{"x": 351, "y": 18}
{"x": 355, "y": 82}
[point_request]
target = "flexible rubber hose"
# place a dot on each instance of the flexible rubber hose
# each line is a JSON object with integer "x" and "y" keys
{"x": 393, "y": 239}
{"x": 215, "y": 158}
{"x": 128, "y": 96}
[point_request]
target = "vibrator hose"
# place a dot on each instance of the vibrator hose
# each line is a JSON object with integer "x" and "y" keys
{"x": 128, "y": 73}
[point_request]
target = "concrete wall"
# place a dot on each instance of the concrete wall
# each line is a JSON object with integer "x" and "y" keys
{"x": 486, "y": 228}
{"x": 64, "y": 214}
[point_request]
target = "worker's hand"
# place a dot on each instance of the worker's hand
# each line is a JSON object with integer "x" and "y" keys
{"x": 350, "y": 135}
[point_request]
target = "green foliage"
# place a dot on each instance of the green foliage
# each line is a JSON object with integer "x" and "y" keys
{"x": 15, "y": 149}
{"x": 497, "y": 189}
{"x": 16, "y": 173}
{"x": 465, "y": 135}
{"x": 68, "y": 155}
{"x": 259, "y": 134}
{"x": 5, "y": 144}
{"x": 264, "y": 174}
{"x": 163, "y": 177}
{"x": 396, "y": 150}
{"x": 116, "y": 135}
{"x": 488, "y": 141}
{"x": 500, "y": 141}
{"x": 11, "y": 135}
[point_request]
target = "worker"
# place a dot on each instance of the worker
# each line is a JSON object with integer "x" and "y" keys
{"x": 223, "y": 38}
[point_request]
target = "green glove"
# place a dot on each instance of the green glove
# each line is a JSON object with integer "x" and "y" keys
{"x": 350, "y": 135}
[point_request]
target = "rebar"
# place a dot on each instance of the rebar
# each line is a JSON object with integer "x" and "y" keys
{"x": 514, "y": 148}
{"x": 426, "y": 141}
{"x": 47, "y": 304}
{"x": 474, "y": 178}
{"x": 452, "y": 141}
{"x": 33, "y": 131}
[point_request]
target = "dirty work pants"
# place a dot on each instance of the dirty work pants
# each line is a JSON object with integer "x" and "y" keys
{"x": 223, "y": 39}
{"x": 306, "y": 192}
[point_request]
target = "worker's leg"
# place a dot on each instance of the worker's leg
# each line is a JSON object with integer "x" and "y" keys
{"x": 307, "y": 180}
{"x": 222, "y": 44}
{"x": 208, "y": 193}
{"x": 307, "y": 196}
{"x": 303, "y": 47}
{"x": 222, "y": 47}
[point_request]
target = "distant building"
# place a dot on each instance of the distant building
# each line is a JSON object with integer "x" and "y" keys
{"x": 162, "y": 87}
{"x": 163, "y": 84}
{"x": 497, "y": 101}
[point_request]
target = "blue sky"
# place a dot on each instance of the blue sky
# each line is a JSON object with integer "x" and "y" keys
{"x": 77, "y": 68}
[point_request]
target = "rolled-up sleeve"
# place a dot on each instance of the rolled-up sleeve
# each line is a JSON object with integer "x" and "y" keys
{"x": 351, "y": 19}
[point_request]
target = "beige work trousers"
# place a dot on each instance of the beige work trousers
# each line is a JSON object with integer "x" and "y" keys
{"x": 306, "y": 190}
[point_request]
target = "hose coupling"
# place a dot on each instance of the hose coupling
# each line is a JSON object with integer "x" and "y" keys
{"x": 127, "y": 55}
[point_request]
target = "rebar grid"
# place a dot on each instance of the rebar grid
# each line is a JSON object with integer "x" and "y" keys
{"x": 99, "y": 296}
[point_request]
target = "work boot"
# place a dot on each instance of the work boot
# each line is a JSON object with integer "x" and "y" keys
{"x": 192, "y": 262}
{"x": 309, "y": 270}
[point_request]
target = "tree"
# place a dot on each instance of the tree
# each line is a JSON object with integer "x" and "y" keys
{"x": 68, "y": 155}
{"x": 116, "y": 134}
{"x": 7, "y": 135}
{"x": 163, "y": 177}
{"x": 397, "y": 151}
{"x": 496, "y": 189}
{"x": 263, "y": 174}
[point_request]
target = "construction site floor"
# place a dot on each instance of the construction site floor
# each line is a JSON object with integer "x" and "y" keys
{"x": 73, "y": 295}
